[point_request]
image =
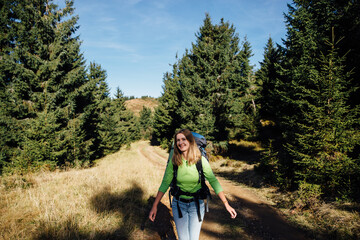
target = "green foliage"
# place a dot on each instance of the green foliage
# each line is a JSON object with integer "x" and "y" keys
{"x": 166, "y": 116}
{"x": 305, "y": 94}
{"x": 54, "y": 112}
{"x": 129, "y": 98}
{"x": 208, "y": 89}
{"x": 42, "y": 70}
{"x": 243, "y": 111}
{"x": 145, "y": 121}
{"x": 162, "y": 134}
{"x": 127, "y": 128}
{"x": 268, "y": 77}
{"x": 42, "y": 146}
{"x": 321, "y": 150}
{"x": 308, "y": 196}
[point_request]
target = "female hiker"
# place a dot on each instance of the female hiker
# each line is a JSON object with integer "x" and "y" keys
{"x": 188, "y": 208}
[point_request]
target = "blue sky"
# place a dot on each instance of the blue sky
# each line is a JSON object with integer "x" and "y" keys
{"x": 136, "y": 41}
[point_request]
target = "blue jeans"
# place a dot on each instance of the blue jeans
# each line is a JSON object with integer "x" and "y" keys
{"x": 188, "y": 227}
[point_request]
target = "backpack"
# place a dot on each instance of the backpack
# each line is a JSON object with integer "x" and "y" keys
{"x": 203, "y": 192}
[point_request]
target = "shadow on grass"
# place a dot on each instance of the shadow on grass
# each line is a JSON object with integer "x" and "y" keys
{"x": 134, "y": 223}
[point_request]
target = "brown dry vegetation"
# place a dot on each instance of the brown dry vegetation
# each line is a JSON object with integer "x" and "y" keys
{"x": 108, "y": 201}
{"x": 112, "y": 200}
{"x": 136, "y": 105}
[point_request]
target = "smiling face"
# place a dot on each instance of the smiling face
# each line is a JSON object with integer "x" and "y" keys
{"x": 182, "y": 143}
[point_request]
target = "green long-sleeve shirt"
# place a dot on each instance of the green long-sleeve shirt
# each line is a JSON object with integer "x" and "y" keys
{"x": 188, "y": 177}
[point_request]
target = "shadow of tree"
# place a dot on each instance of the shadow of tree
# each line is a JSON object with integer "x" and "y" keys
{"x": 132, "y": 208}
{"x": 68, "y": 229}
{"x": 254, "y": 221}
{"x": 243, "y": 153}
{"x": 248, "y": 177}
{"x": 250, "y": 156}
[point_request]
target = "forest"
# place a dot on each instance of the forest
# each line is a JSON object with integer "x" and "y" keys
{"x": 302, "y": 104}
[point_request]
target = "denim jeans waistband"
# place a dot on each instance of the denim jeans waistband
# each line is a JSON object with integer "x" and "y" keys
{"x": 185, "y": 200}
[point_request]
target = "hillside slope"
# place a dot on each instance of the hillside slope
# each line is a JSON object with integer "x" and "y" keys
{"x": 136, "y": 105}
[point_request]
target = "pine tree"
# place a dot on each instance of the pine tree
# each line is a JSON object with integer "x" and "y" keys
{"x": 127, "y": 126}
{"x": 243, "y": 109}
{"x": 103, "y": 113}
{"x": 267, "y": 76}
{"x": 43, "y": 77}
{"x": 207, "y": 83}
{"x": 303, "y": 46}
{"x": 145, "y": 121}
{"x": 321, "y": 150}
{"x": 166, "y": 115}
{"x": 43, "y": 145}
{"x": 162, "y": 121}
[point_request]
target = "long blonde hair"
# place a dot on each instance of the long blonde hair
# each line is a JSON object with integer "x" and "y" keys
{"x": 194, "y": 154}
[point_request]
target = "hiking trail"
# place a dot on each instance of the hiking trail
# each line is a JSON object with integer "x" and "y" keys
{"x": 256, "y": 218}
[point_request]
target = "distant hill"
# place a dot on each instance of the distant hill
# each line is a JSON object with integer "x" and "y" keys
{"x": 136, "y": 105}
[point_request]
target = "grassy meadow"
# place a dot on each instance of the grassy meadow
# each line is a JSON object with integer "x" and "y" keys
{"x": 108, "y": 201}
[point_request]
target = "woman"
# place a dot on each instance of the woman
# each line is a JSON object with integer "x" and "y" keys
{"x": 186, "y": 154}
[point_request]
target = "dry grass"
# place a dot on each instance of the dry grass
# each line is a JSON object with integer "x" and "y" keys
{"x": 136, "y": 105}
{"x": 331, "y": 220}
{"x": 254, "y": 146}
{"x": 108, "y": 201}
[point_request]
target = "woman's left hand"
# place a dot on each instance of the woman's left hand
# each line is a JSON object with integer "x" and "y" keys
{"x": 232, "y": 211}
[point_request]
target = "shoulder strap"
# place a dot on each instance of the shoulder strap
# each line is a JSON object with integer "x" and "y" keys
{"x": 175, "y": 168}
{"x": 201, "y": 172}
{"x": 173, "y": 186}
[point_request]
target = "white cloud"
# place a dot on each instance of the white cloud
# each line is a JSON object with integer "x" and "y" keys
{"x": 107, "y": 19}
{"x": 109, "y": 45}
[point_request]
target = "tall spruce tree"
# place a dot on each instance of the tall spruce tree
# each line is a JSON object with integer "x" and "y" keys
{"x": 267, "y": 77}
{"x": 321, "y": 149}
{"x": 43, "y": 77}
{"x": 145, "y": 121}
{"x": 208, "y": 84}
{"x": 127, "y": 126}
{"x": 100, "y": 97}
{"x": 166, "y": 115}
{"x": 302, "y": 48}
{"x": 243, "y": 96}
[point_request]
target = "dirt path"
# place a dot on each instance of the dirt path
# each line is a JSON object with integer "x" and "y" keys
{"x": 256, "y": 218}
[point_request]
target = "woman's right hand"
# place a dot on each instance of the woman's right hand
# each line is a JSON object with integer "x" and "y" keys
{"x": 152, "y": 213}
